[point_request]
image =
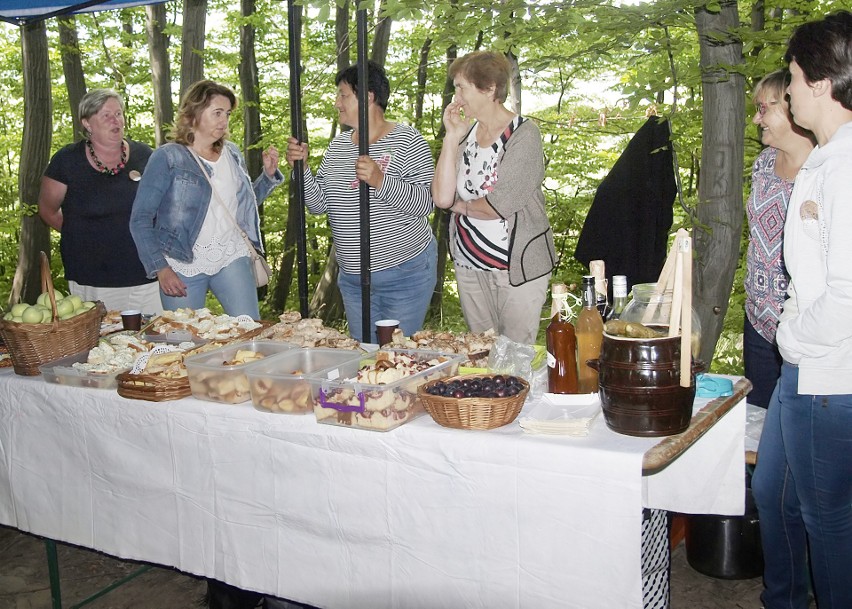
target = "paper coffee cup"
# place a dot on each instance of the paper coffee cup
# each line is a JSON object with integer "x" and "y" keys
{"x": 384, "y": 330}
{"x": 131, "y": 320}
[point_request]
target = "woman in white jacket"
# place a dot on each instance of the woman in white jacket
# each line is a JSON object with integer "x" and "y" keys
{"x": 803, "y": 481}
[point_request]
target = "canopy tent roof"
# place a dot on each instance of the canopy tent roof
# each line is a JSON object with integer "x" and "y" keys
{"x": 19, "y": 12}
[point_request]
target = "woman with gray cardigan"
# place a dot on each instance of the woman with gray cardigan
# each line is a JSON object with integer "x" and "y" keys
{"x": 489, "y": 174}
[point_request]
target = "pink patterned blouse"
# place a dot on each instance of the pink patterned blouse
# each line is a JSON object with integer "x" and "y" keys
{"x": 766, "y": 278}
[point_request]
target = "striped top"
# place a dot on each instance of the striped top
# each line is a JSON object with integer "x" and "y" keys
{"x": 482, "y": 244}
{"x": 399, "y": 225}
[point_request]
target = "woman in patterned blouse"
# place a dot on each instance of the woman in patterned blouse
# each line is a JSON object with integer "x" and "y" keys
{"x": 787, "y": 147}
{"x": 489, "y": 174}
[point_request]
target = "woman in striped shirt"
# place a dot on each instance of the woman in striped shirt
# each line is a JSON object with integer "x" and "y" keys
{"x": 399, "y": 170}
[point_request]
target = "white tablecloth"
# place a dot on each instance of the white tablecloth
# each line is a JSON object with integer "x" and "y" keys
{"x": 422, "y": 516}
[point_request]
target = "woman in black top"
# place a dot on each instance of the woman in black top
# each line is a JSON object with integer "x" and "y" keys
{"x": 87, "y": 193}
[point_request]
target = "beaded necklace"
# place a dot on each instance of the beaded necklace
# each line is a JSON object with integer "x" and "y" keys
{"x": 103, "y": 168}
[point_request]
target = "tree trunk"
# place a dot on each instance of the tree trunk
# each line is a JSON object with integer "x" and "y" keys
{"x": 514, "y": 83}
{"x": 35, "y": 153}
{"x": 720, "y": 190}
{"x": 251, "y": 107}
{"x": 161, "y": 74}
{"x": 441, "y": 217}
{"x": 381, "y": 36}
{"x": 327, "y": 302}
{"x": 422, "y": 71}
{"x": 250, "y": 93}
{"x": 72, "y": 68}
{"x": 192, "y": 44}
{"x": 341, "y": 35}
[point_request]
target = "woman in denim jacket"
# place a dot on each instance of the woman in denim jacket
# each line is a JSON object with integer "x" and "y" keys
{"x": 185, "y": 235}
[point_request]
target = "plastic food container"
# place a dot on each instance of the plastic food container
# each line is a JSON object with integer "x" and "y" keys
{"x": 216, "y": 375}
{"x": 371, "y": 403}
{"x": 60, "y": 371}
{"x": 279, "y": 384}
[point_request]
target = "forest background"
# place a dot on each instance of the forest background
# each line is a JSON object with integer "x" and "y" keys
{"x": 589, "y": 72}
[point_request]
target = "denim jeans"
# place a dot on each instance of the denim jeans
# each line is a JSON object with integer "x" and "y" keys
{"x": 402, "y": 292}
{"x": 762, "y": 365}
{"x": 803, "y": 489}
{"x": 233, "y": 286}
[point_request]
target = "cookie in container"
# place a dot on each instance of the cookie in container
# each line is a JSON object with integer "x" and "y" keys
{"x": 280, "y": 383}
{"x": 379, "y": 391}
{"x": 220, "y": 375}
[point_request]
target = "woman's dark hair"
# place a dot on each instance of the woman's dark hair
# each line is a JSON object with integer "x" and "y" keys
{"x": 194, "y": 102}
{"x": 377, "y": 82}
{"x": 823, "y": 50}
{"x": 484, "y": 69}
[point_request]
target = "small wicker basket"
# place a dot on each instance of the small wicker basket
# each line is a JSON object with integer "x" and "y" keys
{"x": 152, "y": 387}
{"x": 31, "y": 345}
{"x": 471, "y": 413}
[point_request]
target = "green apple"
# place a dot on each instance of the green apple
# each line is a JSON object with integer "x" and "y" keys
{"x": 64, "y": 307}
{"x": 88, "y": 304}
{"x": 46, "y": 315}
{"x": 75, "y": 300}
{"x": 67, "y": 316}
{"x": 43, "y": 299}
{"x": 18, "y": 309}
{"x": 8, "y": 316}
{"x": 31, "y": 315}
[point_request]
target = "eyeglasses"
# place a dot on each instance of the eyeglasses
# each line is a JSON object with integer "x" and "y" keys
{"x": 763, "y": 107}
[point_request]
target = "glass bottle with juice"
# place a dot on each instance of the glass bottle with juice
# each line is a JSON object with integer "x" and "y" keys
{"x": 561, "y": 344}
{"x": 589, "y": 335}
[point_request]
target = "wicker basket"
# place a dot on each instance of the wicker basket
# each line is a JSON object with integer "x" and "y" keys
{"x": 31, "y": 345}
{"x": 152, "y": 387}
{"x": 471, "y": 413}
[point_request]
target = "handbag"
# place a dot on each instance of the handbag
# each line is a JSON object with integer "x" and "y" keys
{"x": 259, "y": 266}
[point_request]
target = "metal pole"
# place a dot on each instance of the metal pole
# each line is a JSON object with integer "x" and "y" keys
{"x": 294, "y": 29}
{"x": 364, "y": 148}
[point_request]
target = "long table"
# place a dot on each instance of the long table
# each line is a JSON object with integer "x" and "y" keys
{"x": 422, "y": 516}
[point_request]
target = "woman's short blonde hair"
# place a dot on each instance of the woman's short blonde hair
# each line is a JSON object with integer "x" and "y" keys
{"x": 194, "y": 102}
{"x": 484, "y": 69}
{"x": 773, "y": 86}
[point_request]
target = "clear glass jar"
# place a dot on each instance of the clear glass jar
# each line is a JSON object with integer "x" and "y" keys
{"x": 642, "y": 301}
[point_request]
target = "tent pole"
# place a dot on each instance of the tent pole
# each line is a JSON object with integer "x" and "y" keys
{"x": 364, "y": 148}
{"x": 294, "y": 29}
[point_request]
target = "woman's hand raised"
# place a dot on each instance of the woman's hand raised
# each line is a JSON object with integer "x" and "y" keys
{"x": 270, "y": 161}
{"x": 456, "y": 124}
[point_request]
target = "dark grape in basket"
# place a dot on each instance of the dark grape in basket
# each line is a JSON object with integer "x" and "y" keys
{"x": 497, "y": 386}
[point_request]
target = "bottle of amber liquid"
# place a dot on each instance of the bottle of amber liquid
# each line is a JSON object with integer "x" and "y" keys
{"x": 589, "y": 333}
{"x": 561, "y": 344}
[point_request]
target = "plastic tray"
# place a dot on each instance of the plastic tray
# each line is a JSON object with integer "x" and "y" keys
{"x": 279, "y": 384}
{"x": 340, "y": 400}
{"x": 210, "y": 379}
{"x": 60, "y": 371}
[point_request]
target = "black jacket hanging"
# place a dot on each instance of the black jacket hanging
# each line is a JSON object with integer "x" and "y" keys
{"x": 631, "y": 216}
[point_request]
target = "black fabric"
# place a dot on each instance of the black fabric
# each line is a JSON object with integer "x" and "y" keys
{"x": 224, "y": 596}
{"x": 631, "y": 215}
{"x": 96, "y": 246}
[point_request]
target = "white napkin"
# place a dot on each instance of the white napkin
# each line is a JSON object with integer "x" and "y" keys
{"x": 564, "y": 415}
